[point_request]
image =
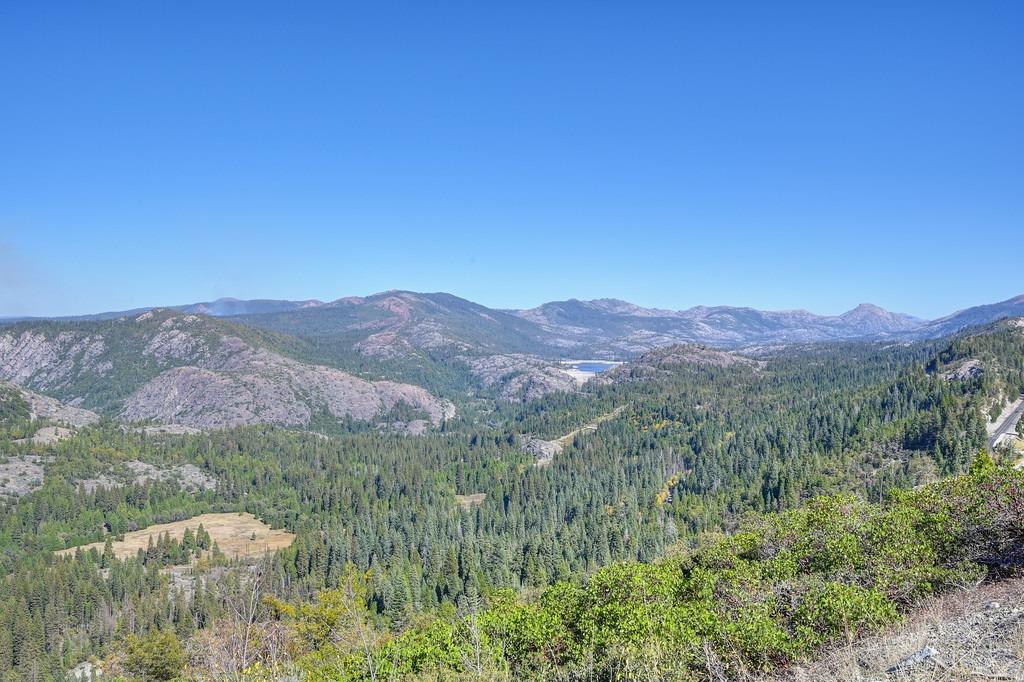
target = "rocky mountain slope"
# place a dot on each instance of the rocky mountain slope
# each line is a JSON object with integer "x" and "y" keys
{"x": 437, "y": 341}
{"x": 193, "y": 370}
{"x": 670, "y": 359}
{"x": 44, "y": 407}
{"x": 611, "y": 328}
{"x": 972, "y": 317}
{"x": 517, "y": 376}
{"x": 399, "y": 323}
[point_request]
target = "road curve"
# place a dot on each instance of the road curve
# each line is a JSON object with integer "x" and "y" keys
{"x": 1008, "y": 425}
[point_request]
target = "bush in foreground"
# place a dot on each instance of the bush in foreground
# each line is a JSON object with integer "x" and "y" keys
{"x": 780, "y": 589}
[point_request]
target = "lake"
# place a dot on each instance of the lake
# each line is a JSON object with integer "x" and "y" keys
{"x": 593, "y": 366}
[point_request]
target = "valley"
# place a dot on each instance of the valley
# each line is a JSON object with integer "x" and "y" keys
{"x": 511, "y": 342}
{"x": 396, "y": 459}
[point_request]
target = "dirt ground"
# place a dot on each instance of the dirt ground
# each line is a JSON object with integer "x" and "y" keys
{"x": 233, "y": 533}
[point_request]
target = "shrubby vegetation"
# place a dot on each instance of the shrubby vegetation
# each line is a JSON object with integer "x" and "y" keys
{"x": 777, "y": 590}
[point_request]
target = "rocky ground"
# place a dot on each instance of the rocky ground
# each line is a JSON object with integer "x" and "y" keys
{"x": 20, "y": 475}
{"x": 974, "y": 634}
{"x": 48, "y": 435}
{"x": 520, "y": 377}
{"x": 666, "y": 360}
{"x": 45, "y": 407}
{"x": 968, "y": 369}
{"x": 191, "y": 371}
{"x": 545, "y": 450}
{"x": 189, "y": 476}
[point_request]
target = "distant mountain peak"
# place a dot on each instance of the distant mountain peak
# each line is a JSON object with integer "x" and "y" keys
{"x": 875, "y": 319}
{"x": 867, "y": 308}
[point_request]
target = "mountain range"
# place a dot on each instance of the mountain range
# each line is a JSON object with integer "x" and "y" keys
{"x": 396, "y": 322}
{"x": 397, "y": 358}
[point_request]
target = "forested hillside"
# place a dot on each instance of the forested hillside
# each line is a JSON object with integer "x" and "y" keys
{"x": 428, "y": 537}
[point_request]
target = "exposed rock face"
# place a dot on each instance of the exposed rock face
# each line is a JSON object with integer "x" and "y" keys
{"x": 666, "y": 360}
{"x": 398, "y": 323}
{"x": 48, "y": 435}
{"x": 236, "y": 384}
{"x": 543, "y": 450}
{"x": 20, "y": 475}
{"x": 968, "y": 369}
{"x": 49, "y": 361}
{"x": 610, "y": 328}
{"x": 870, "y": 320}
{"x": 271, "y": 389}
{"x": 186, "y": 370}
{"x": 982, "y": 314}
{"x": 520, "y": 377}
{"x": 45, "y": 407}
{"x": 965, "y": 634}
{"x": 406, "y": 325}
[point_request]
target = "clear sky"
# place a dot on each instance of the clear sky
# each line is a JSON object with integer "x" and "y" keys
{"x": 771, "y": 154}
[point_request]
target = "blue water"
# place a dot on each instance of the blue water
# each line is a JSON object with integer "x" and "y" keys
{"x": 595, "y": 367}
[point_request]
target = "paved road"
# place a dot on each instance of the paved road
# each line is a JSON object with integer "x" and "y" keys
{"x": 1009, "y": 425}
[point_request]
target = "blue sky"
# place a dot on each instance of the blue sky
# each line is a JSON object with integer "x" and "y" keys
{"x": 776, "y": 155}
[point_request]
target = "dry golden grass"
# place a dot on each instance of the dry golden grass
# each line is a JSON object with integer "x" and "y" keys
{"x": 471, "y": 500}
{"x": 233, "y": 533}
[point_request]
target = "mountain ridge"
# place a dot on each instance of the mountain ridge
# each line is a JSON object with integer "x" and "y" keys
{"x": 363, "y": 355}
{"x": 733, "y": 324}
{"x": 198, "y": 371}
{"x": 401, "y": 322}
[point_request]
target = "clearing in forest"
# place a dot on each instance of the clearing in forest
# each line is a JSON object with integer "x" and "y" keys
{"x": 545, "y": 450}
{"x": 471, "y": 500}
{"x": 567, "y": 439}
{"x": 233, "y": 533}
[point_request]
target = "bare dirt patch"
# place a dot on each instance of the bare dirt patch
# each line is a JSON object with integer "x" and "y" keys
{"x": 233, "y": 532}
